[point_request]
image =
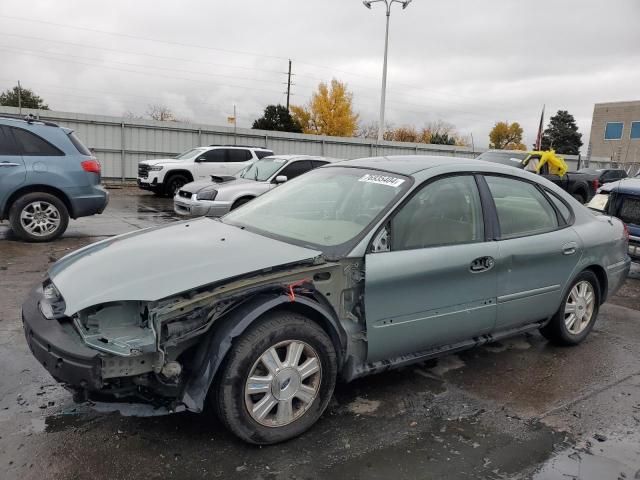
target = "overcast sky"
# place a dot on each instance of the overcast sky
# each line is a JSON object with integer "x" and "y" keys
{"x": 469, "y": 62}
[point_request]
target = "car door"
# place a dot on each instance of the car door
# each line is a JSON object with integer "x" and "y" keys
{"x": 12, "y": 167}
{"x": 435, "y": 285}
{"x": 537, "y": 251}
{"x": 238, "y": 159}
{"x": 211, "y": 162}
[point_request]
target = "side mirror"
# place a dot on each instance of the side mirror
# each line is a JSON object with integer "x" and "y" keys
{"x": 281, "y": 179}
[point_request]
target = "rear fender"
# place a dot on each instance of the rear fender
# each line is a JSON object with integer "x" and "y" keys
{"x": 213, "y": 349}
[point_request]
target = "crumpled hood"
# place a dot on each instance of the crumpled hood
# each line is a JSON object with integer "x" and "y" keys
{"x": 626, "y": 185}
{"x": 195, "y": 187}
{"x": 159, "y": 262}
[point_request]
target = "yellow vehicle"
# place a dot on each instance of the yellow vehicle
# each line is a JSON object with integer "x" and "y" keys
{"x": 536, "y": 161}
{"x": 581, "y": 185}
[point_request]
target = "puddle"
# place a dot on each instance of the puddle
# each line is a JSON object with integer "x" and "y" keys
{"x": 617, "y": 457}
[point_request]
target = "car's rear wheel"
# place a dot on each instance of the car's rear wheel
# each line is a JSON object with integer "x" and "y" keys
{"x": 38, "y": 217}
{"x": 575, "y": 318}
{"x": 277, "y": 380}
{"x": 175, "y": 183}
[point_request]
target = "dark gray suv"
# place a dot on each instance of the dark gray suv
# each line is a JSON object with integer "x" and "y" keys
{"x": 46, "y": 176}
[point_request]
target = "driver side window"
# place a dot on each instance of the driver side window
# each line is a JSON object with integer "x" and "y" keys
{"x": 444, "y": 212}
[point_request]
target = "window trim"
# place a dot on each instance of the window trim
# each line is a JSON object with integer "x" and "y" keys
{"x": 621, "y": 131}
{"x": 394, "y": 211}
{"x": 18, "y": 146}
{"x": 572, "y": 215}
{"x": 561, "y": 225}
{"x": 631, "y": 130}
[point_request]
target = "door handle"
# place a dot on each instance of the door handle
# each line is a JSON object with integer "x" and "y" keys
{"x": 9, "y": 164}
{"x": 482, "y": 264}
{"x": 569, "y": 248}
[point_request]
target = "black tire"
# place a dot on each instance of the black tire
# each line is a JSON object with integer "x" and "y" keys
{"x": 26, "y": 203}
{"x": 579, "y": 197}
{"x": 556, "y": 331}
{"x": 174, "y": 183}
{"x": 240, "y": 202}
{"x": 273, "y": 329}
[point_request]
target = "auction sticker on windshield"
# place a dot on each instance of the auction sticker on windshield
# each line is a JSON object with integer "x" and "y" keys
{"x": 382, "y": 180}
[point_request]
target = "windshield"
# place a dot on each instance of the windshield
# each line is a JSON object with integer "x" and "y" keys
{"x": 599, "y": 202}
{"x": 190, "y": 153}
{"x": 323, "y": 208}
{"x": 513, "y": 159}
{"x": 263, "y": 169}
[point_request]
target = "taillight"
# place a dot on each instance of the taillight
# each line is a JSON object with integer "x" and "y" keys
{"x": 91, "y": 166}
{"x": 596, "y": 184}
{"x": 626, "y": 231}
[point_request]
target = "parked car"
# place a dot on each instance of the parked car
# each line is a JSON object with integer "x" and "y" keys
{"x": 351, "y": 269}
{"x": 605, "y": 175}
{"x": 223, "y": 194}
{"x": 580, "y": 185}
{"x": 46, "y": 177}
{"x": 166, "y": 176}
{"x": 622, "y": 200}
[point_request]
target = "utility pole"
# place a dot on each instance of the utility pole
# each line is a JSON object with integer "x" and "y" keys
{"x": 289, "y": 84}
{"x": 235, "y": 126}
{"x": 388, "y": 3}
{"x": 19, "y": 98}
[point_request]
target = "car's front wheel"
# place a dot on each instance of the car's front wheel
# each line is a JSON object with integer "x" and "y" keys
{"x": 174, "y": 183}
{"x": 38, "y": 217}
{"x": 575, "y": 318}
{"x": 277, "y": 380}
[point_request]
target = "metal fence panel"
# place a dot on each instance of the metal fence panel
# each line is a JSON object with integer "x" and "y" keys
{"x": 120, "y": 143}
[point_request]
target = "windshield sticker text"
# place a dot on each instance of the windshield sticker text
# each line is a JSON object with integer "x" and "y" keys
{"x": 382, "y": 180}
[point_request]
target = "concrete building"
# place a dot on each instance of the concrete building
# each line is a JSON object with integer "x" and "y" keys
{"x": 615, "y": 132}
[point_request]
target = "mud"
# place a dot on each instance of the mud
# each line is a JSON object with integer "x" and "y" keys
{"x": 516, "y": 409}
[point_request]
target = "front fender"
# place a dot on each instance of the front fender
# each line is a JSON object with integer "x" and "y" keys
{"x": 213, "y": 349}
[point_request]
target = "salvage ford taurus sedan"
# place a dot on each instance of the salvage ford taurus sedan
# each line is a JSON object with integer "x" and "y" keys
{"x": 348, "y": 270}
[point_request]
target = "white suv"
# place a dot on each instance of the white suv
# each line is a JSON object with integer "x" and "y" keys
{"x": 165, "y": 176}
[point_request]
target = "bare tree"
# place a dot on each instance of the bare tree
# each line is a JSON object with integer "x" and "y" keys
{"x": 161, "y": 113}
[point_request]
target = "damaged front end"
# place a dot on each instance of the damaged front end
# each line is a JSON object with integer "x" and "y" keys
{"x": 153, "y": 352}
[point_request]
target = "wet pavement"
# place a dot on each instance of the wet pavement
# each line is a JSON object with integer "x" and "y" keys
{"x": 516, "y": 409}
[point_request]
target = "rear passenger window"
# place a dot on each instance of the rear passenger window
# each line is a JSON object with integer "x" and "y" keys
{"x": 78, "y": 144}
{"x": 522, "y": 209}
{"x": 565, "y": 213}
{"x": 31, "y": 144}
{"x": 217, "y": 155}
{"x": 263, "y": 153}
{"x": 445, "y": 212}
{"x": 238, "y": 155}
{"x": 6, "y": 145}
{"x": 318, "y": 163}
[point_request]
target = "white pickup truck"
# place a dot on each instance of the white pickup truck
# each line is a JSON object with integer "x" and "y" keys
{"x": 165, "y": 176}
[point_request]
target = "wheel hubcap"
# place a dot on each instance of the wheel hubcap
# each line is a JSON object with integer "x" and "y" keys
{"x": 40, "y": 218}
{"x": 283, "y": 383}
{"x": 578, "y": 310}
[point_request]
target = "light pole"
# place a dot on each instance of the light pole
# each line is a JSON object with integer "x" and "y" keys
{"x": 388, "y": 3}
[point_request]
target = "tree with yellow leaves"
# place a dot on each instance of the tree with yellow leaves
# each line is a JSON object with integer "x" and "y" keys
{"x": 505, "y": 136}
{"x": 330, "y": 111}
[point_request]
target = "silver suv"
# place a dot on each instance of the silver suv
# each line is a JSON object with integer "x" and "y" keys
{"x": 226, "y": 193}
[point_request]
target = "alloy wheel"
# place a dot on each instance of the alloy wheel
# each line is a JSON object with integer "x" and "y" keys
{"x": 283, "y": 383}
{"x": 40, "y": 218}
{"x": 578, "y": 310}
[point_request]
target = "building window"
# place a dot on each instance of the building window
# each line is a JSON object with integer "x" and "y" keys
{"x": 635, "y": 130}
{"x": 613, "y": 131}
